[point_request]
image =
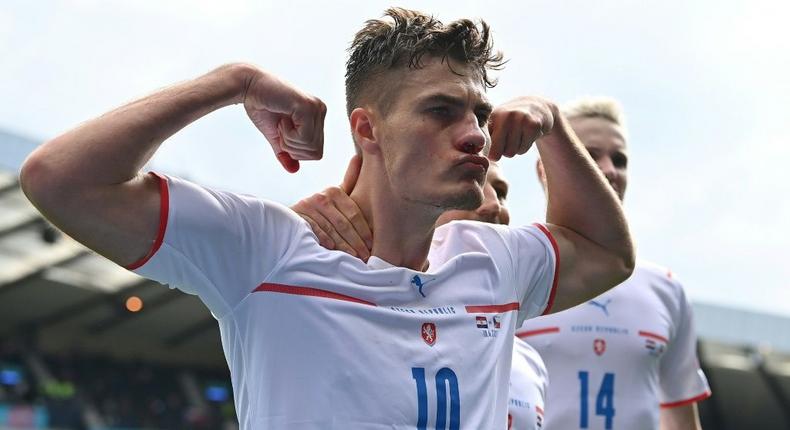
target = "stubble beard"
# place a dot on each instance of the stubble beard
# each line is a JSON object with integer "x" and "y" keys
{"x": 468, "y": 200}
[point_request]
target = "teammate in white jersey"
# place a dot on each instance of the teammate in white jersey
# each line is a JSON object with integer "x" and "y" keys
{"x": 528, "y": 375}
{"x": 318, "y": 339}
{"x": 627, "y": 359}
{"x": 342, "y": 226}
{"x": 529, "y": 381}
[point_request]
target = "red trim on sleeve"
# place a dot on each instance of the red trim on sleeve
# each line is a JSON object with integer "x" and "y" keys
{"x": 546, "y": 330}
{"x": 556, "y": 281}
{"x": 164, "y": 209}
{"x": 490, "y": 309}
{"x": 694, "y": 399}
{"x": 653, "y": 335}
{"x": 307, "y": 291}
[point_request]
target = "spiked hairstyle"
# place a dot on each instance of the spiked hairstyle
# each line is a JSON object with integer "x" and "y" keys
{"x": 402, "y": 40}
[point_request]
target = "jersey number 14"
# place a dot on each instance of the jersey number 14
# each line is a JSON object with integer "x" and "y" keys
{"x": 446, "y": 383}
{"x": 604, "y": 401}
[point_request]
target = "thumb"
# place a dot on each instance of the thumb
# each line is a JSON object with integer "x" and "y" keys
{"x": 290, "y": 165}
{"x": 352, "y": 174}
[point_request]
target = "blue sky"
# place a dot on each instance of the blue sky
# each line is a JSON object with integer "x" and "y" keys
{"x": 704, "y": 86}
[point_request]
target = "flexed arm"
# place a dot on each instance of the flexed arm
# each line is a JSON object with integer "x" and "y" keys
{"x": 583, "y": 212}
{"x": 88, "y": 181}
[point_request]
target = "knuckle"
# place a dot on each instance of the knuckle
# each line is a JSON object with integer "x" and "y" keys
{"x": 343, "y": 225}
{"x": 327, "y": 227}
{"x": 355, "y": 217}
{"x": 321, "y": 199}
{"x": 331, "y": 192}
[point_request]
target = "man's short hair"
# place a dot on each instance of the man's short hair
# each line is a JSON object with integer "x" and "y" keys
{"x": 596, "y": 107}
{"x": 386, "y": 44}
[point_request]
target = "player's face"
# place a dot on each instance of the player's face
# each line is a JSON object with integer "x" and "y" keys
{"x": 433, "y": 135}
{"x": 493, "y": 209}
{"x": 605, "y": 142}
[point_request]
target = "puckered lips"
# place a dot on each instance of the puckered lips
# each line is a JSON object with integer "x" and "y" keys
{"x": 474, "y": 163}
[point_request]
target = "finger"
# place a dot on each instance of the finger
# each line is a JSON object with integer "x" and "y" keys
{"x": 352, "y": 174}
{"x": 299, "y": 149}
{"x": 504, "y": 136}
{"x": 512, "y": 141}
{"x": 349, "y": 209}
{"x": 318, "y": 128}
{"x": 345, "y": 229}
{"x": 320, "y": 209}
{"x": 323, "y": 238}
{"x": 525, "y": 145}
{"x": 288, "y": 141}
{"x": 308, "y": 121}
{"x": 290, "y": 165}
{"x": 302, "y": 124}
{"x": 498, "y": 133}
{"x": 300, "y": 154}
{"x": 342, "y": 230}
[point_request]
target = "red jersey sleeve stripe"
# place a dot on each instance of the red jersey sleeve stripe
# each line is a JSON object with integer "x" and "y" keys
{"x": 653, "y": 336}
{"x": 546, "y": 330}
{"x": 164, "y": 209}
{"x": 694, "y": 399}
{"x": 490, "y": 309}
{"x": 556, "y": 281}
{"x": 307, "y": 291}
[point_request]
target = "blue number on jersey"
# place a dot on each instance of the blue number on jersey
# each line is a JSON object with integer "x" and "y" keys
{"x": 604, "y": 401}
{"x": 445, "y": 378}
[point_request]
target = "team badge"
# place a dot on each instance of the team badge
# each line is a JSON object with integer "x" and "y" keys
{"x": 428, "y": 332}
{"x": 599, "y": 346}
{"x": 497, "y": 321}
{"x": 482, "y": 322}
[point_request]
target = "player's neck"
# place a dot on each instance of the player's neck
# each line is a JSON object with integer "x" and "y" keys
{"x": 402, "y": 230}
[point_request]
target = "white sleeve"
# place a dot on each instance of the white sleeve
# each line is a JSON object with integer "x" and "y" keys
{"x": 217, "y": 245}
{"x": 681, "y": 378}
{"x": 535, "y": 258}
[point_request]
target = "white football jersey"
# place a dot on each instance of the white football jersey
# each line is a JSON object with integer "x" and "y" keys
{"x": 528, "y": 382}
{"x": 614, "y": 360}
{"x": 318, "y": 339}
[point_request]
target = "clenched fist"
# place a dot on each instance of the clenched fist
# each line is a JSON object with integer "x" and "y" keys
{"x": 517, "y": 124}
{"x": 291, "y": 120}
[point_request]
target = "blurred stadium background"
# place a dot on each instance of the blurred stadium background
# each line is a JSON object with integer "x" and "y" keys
{"x": 87, "y": 345}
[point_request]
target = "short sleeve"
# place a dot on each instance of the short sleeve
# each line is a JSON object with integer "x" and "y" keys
{"x": 215, "y": 244}
{"x": 535, "y": 260}
{"x": 681, "y": 378}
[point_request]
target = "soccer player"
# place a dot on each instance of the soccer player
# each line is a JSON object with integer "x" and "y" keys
{"x": 626, "y": 359}
{"x": 528, "y": 374}
{"x": 319, "y": 339}
{"x": 342, "y": 226}
{"x": 637, "y": 341}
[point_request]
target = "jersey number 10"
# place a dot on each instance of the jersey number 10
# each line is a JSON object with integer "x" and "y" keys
{"x": 445, "y": 381}
{"x": 604, "y": 401}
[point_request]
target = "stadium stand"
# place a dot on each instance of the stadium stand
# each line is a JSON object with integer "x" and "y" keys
{"x": 77, "y": 353}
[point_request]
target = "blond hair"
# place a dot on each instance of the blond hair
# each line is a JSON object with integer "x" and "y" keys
{"x": 596, "y": 107}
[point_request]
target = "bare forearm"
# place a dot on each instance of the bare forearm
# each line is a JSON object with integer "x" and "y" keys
{"x": 680, "y": 418}
{"x": 578, "y": 197}
{"x": 111, "y": 149}
{"x": 86, "y": 181}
